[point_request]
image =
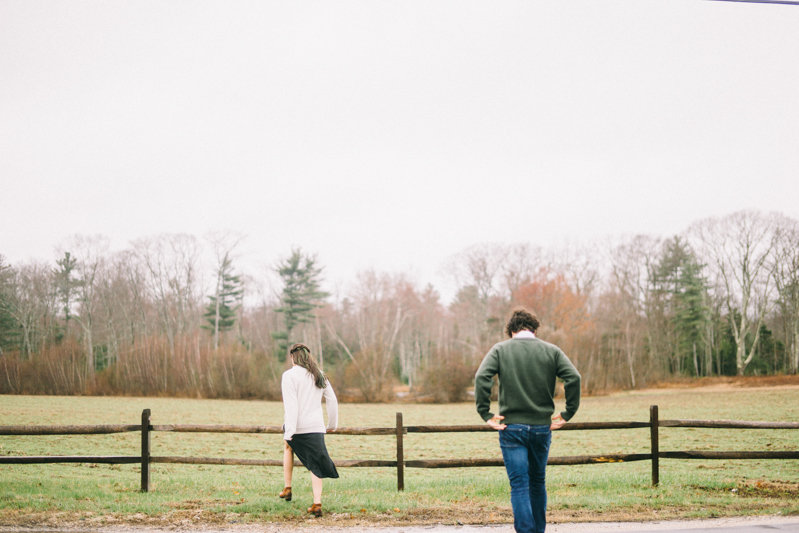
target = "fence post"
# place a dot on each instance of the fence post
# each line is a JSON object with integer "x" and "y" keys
{"x": 145, "y": 450}
{"x": 400, "y": 456}
{"x": 653, "y": 428}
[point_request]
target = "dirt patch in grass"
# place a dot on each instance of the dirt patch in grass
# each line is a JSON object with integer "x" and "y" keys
{"x": 758, "y": 489}
{"x": 200, "y": 504}
{"x": 769, "y": 489}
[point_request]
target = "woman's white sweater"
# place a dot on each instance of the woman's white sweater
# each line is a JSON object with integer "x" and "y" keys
{"x": 302, "y": 404}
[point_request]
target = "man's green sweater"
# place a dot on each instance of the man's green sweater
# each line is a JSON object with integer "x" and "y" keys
{"x": 527, "y": 369}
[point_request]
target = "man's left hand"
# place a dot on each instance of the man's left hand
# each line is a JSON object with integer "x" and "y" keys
{"x": 557, "y": 422}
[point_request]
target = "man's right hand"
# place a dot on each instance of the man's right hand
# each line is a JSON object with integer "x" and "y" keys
{"x": 495, "y": 423}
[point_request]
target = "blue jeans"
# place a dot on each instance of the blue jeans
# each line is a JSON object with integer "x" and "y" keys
{"x": 525, "y": 450}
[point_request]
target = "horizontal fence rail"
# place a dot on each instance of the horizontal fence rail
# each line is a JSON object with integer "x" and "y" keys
{"x": 263, "y": 462}
{"x": 566, "y": 460}
{"x": 571, "y": 426}
{"x": 68, "y": 430}
{"x": 213, "y": 428}
{"x": 727, "y": 424}
{"x": 146, "y": 458}
{"x": 730, "y": 455}
{"x": 91, "y": 459}
{"x": 216, "y": 428}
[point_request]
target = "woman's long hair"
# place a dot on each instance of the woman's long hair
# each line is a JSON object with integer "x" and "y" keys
{"x": 301, "y": 355}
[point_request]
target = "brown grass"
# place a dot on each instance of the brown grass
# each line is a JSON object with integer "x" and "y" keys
{"x": 730, "y": 382}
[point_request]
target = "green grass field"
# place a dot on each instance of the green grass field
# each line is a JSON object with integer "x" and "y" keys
{"x": 183, "y": 494}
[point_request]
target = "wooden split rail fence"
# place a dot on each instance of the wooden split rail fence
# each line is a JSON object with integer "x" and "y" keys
{"x": 146, "y": 458}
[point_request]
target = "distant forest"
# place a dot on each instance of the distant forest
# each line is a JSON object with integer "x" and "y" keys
{"x": 721, "y": 298}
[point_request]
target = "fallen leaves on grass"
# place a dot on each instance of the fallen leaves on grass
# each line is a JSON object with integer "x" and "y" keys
{"x": 769, "y": 489}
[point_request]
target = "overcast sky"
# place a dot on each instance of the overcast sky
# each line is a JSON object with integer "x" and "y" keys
{"x": 391, "y": 135}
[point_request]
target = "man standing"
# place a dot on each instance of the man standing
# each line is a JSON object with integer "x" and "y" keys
{"x": 527, "y": 368}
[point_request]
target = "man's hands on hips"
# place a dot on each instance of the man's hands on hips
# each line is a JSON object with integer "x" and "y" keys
{"x": 495, "y": 422}
{"x": 557, "y": 422}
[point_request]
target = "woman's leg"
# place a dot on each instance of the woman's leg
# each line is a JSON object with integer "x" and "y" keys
{"x": 316, "y": 483}
{"x": 288, "y": 464}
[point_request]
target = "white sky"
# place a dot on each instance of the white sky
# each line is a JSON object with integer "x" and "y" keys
{"x": 391, "y": 135}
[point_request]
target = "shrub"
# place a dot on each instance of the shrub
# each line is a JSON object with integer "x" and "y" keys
{"x": 447, "y": 378}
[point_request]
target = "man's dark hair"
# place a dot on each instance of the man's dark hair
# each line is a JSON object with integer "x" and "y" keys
{"x": 521, "y": 320}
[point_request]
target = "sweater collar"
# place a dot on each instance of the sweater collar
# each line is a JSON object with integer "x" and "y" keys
{"x": 524, "y": 334}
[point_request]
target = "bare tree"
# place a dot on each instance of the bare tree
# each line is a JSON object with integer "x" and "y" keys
{"x": 786, "y": 278}
{"x": 138, "y": 312}
{"x": 373, "y": 320}
{"x": 90, "y": 252}
{"x": 28, "y": 297}
{"x": 173, "y": 281}
{"x": 478, "y": 272}
{"x": 740, "y": 248}
{"x": 632, "y": 263}
{"x": 171, "y": 262}
{"x": 479, "y": 266}
{"x": 422, "y": 335}
{"x": 123, "y": 314}
{"x": 580, "y": 265}
{"x": 521, "y": 263}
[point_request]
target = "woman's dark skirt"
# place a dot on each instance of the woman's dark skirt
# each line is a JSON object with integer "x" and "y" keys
{"x": 311, "y": 451}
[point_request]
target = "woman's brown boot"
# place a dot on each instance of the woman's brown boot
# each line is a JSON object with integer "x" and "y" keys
{"x": 315, "y": 509}
{"x": 286, "y": 494}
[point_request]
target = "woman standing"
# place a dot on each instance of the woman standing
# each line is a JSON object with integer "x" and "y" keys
{"x": 304, "y": 386}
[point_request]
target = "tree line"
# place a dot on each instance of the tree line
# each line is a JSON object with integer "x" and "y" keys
{"x": 721, "y": 298}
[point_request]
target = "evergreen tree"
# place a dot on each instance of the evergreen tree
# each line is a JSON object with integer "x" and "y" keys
{"x": 770, "y": 354}
{"x": 220, "y": 313}
{"x": 681, "y": 291}
{"x": 9, "y": 328}
{"x": 301, "y": 295}
{"x": 65, "y": 285}
{"x": 692, "y": 313}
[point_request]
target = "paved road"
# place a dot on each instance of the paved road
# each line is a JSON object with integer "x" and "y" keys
{"x": 732, "y": 525}
{"x": 791, "y": 526}
{"x": 794, "y": 527}
{"x": 753, "y": 524}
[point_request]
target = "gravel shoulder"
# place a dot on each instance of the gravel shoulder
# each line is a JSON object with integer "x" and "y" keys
{"x": 784, "y": 523}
